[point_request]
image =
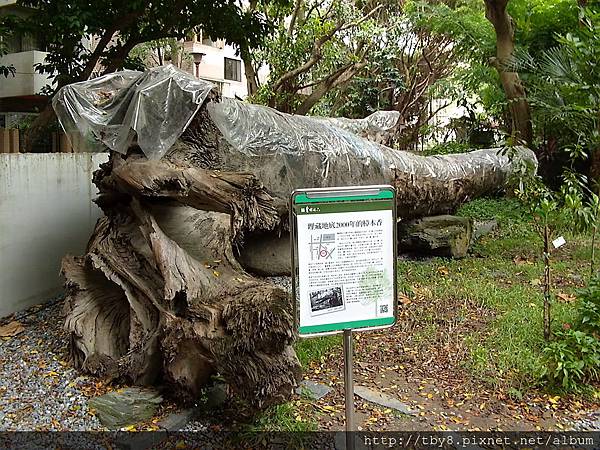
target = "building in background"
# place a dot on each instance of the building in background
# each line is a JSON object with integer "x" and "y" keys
{"x": 20, "y": 94}
{"x": 216, "y": 62}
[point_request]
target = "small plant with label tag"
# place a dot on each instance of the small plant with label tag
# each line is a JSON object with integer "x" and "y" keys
{"x": 574, "y": 357}
{"x": 547, "y": 215}
{"x": 573, "y": 207}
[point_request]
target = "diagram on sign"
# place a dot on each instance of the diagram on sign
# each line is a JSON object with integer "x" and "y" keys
{"x": 325, "y": 301}
{"x": 322, "y": 246}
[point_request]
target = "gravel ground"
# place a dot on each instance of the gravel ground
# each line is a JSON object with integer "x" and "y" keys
{"x": 590, "y": 422}
{"x": 282, "y": 282}
{"x": 38, "y": 388}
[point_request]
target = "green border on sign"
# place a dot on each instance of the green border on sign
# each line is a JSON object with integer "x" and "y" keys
{"x": 339, "y": 326}
{"x": 304, "y": 198}
{"x": 338, "y": 202}
{"x": 340, "y": 207}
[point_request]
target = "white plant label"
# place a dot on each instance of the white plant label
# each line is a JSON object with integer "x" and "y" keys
{"x": 559, "y": 242}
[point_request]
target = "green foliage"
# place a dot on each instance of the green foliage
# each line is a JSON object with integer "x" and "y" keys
{"x": 67, "y": 26}
{"x": 538, "y": 22}
{"x": 542, "y": 203}
{"x": 155, "y": 53}
{"x": 574, "y": 357}
{"x": 5, "y": 27}
{"x": 589, "y": 308}
{"x": 325, "y": 39}
{"x": 280, "y": 418}
{"x": 420, "y": 27}
{"x": 447, "y": 149}
{"x": 510, "y": 214}
{"x": 24, "y": 122}
{"x": 380, "y": 51}
{"x": 463, "y": 21}
{"x": 563, "y": 84}
{"x": 580, "y": 201}
{"x": 539, "y": 25}
{"x": 315, "y": 349}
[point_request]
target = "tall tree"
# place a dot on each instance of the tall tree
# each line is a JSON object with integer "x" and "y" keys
{"x": 496, "y": 13}
{"x": 424, "y": 43}
{"x": 317, "y": 46}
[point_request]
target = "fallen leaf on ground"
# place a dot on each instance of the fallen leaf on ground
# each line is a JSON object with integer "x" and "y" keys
{"x": 405, "y": 300}
{"x": 567, "y": 298}
{"x": 520, "y": 261}
{"x": 11, "y": 329}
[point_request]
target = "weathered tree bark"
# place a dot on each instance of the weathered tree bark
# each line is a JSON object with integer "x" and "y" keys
{"x": 495, "y": 11}
{"x": 249, "y": 71}
{"x": 159, "y": 296}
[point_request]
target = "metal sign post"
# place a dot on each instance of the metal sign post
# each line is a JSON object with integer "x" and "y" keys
{"x": 349, "y": 388}
{"x": 344, "y": 267}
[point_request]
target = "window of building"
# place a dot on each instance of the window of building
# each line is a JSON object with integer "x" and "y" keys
{"x": 233, "y": 69}
{"x": 23, "y": 42}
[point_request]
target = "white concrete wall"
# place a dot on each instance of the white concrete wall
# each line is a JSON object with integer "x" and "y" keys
{"x": 26, "y": 80}
{"x": 46, "y": 211}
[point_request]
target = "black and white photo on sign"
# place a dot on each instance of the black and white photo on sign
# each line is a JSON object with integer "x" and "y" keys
{"x": 327, "y": 300}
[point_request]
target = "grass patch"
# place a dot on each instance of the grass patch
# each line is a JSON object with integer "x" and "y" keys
{"x": 504, "y": 275}
{"x": 316, "y": 348}
{"x": 284, "y": 417}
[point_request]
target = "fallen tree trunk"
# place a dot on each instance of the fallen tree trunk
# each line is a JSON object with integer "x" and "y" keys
{"x": 159, "y": 296}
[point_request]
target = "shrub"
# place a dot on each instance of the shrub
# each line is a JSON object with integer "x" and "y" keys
{"x": 574, "y": 357}
{"x": 588, "y": 309}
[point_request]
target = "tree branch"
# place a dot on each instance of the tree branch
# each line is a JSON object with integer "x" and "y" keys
{"x": 316, "y": 51}
{"x": 339, "y": 77}
{"x": 297, "y": 8}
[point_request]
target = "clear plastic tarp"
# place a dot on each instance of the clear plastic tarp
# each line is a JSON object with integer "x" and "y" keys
{"x": 284, "y": 151}
{"x": 287, "y": 151}
{"x": 154, "y": 107}
{"x": 374, "y": 127}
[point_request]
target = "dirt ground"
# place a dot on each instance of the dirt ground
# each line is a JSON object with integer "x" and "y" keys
{"x": 429, "y": 379}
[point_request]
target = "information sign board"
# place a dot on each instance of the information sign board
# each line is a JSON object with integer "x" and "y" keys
{"x": 344, "y": 258}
